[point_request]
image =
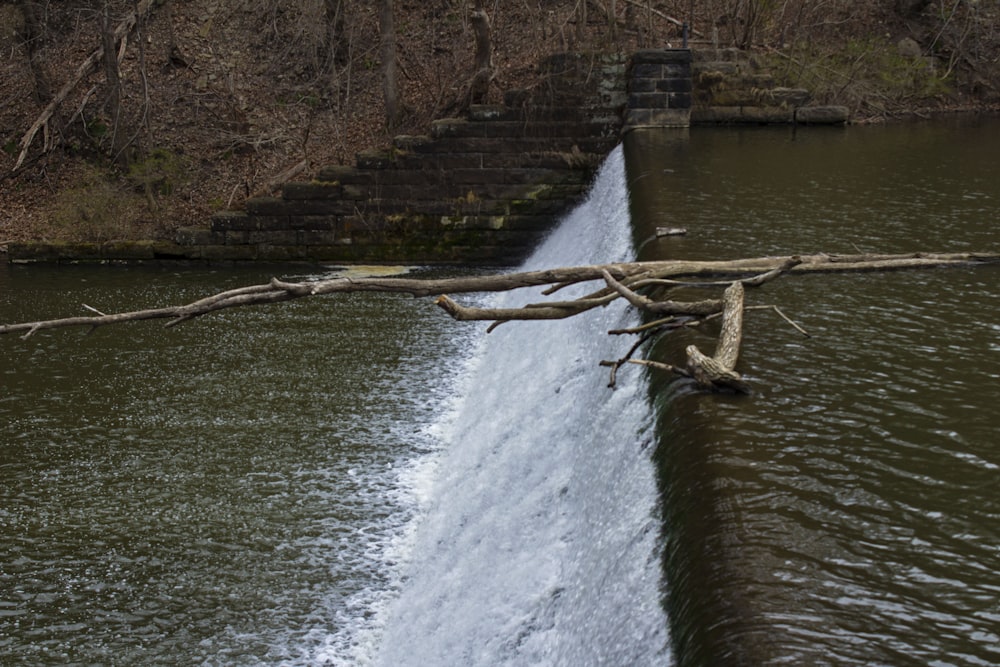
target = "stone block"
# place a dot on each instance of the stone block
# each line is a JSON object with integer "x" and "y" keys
{"x": 318, "y": 237}
{"x": 714, "y": 69}
{"x": 318, "y": 223}
{"x": 374, "y": 159}
{"x": 352, "y": 193}
{"x": 278, "y": 208}
{"x": 478, "y": 206}
{"x": 311, "y": 190}
{"x": 193, "y": 236}
{"x": 642, "y": 85}
{"x": 458, "y": 145}
{"x": 767, "y": 115}
{"x": 446, "y": 161}
{"x": 173, "y": 251}
{"x": 650, "y": 118}
{"x": 679, "y": 101}
{"x": 674, "y": 85}
{"x": 127, "y": 250}
{"x": 423, "y": 178}
{"x": 457, "y": 127}
{"x": 585, "y": 163}
{"x": 237, "y": 237}
{"x": 256, "y": 206}
{"x": 406, "y": 142}
{"x": 525, "y": 175}
{"x": 827, "y": 115}
{"x": 792, "y": 97}
{"x": 677, "y": 71}
{"x": 738, "y": 97}
{"x": 536, "y": 207}
{"x": 272, "y": 222}
{"x": 471, "y": 222}
{"x": 661, "y": 56}
{"x": 647, "y": 71}
{"x": 648, "y": 101}
{"x": 274, "y": 237}
{"x": 716, "y": 115}
{"x": 223, "y": 221}
{"x": 538, "y": 222}
{"x": 344, "y": 174}
{"x": 474, "y": 176}
{"x": 488, "y": 112}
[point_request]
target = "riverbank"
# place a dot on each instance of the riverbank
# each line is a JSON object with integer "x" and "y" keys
{"x": 222, "y": 105}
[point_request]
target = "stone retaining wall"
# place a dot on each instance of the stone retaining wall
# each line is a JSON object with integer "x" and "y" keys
{"x": 734, "y": 87}
{"x": 659, "y": 86}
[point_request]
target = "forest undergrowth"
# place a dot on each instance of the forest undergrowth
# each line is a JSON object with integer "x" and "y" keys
{"x": 208, "y": 102}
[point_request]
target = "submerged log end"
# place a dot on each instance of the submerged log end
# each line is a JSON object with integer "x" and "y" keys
{"x": 709, "y": 373}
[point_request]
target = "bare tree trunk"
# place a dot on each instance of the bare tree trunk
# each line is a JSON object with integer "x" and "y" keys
{"x": 145, "y": 126}
{"x": 390, "y": 74}
{"x": 335, "y": 31}
{"x": 113, "y": 103}
{"x": 483, "y": 66}
{"x": 31, "y": 37}
{"x": 581, "y": 20}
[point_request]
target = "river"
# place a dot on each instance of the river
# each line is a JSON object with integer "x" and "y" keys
{"x": 844, "y": 514}
{"x": 359, "y": 480}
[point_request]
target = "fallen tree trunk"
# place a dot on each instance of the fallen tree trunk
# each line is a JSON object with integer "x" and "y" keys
{"x": 645, "y": 285}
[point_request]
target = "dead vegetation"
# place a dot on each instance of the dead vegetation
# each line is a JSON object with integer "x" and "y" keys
{"x": 194, "y": 105}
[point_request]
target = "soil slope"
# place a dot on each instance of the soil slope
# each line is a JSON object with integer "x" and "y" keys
{"x": 218, "y": 100}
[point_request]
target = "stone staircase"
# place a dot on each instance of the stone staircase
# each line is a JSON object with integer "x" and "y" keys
{"x": 481, "y": 188}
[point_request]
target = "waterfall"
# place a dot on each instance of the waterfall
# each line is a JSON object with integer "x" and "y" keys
{"x": 538, "y": 540}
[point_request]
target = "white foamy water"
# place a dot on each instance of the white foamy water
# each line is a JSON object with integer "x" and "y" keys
{"x": 536, "y": 541}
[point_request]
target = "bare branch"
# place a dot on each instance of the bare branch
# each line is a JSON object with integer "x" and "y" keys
{"x": 616, "y": 280}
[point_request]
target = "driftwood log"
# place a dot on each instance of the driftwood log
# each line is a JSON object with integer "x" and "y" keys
{"x": 645, "y": 285}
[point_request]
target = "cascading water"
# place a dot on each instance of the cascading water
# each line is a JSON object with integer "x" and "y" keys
{"x": 538, "y": 541}
{"x": 354, "y": 482}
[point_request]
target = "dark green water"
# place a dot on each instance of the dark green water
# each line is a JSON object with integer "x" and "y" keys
{"x": 846, "y": 513}
{"x": 224, "y": 492}
{"x": 242, "y": 489}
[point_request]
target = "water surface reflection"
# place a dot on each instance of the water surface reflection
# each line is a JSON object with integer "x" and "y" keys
{"x": 225, "y": 492}
{"x": 843, "y": 514}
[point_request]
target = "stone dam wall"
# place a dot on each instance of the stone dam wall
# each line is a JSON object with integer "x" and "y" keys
{"x": 483, "y": 188}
